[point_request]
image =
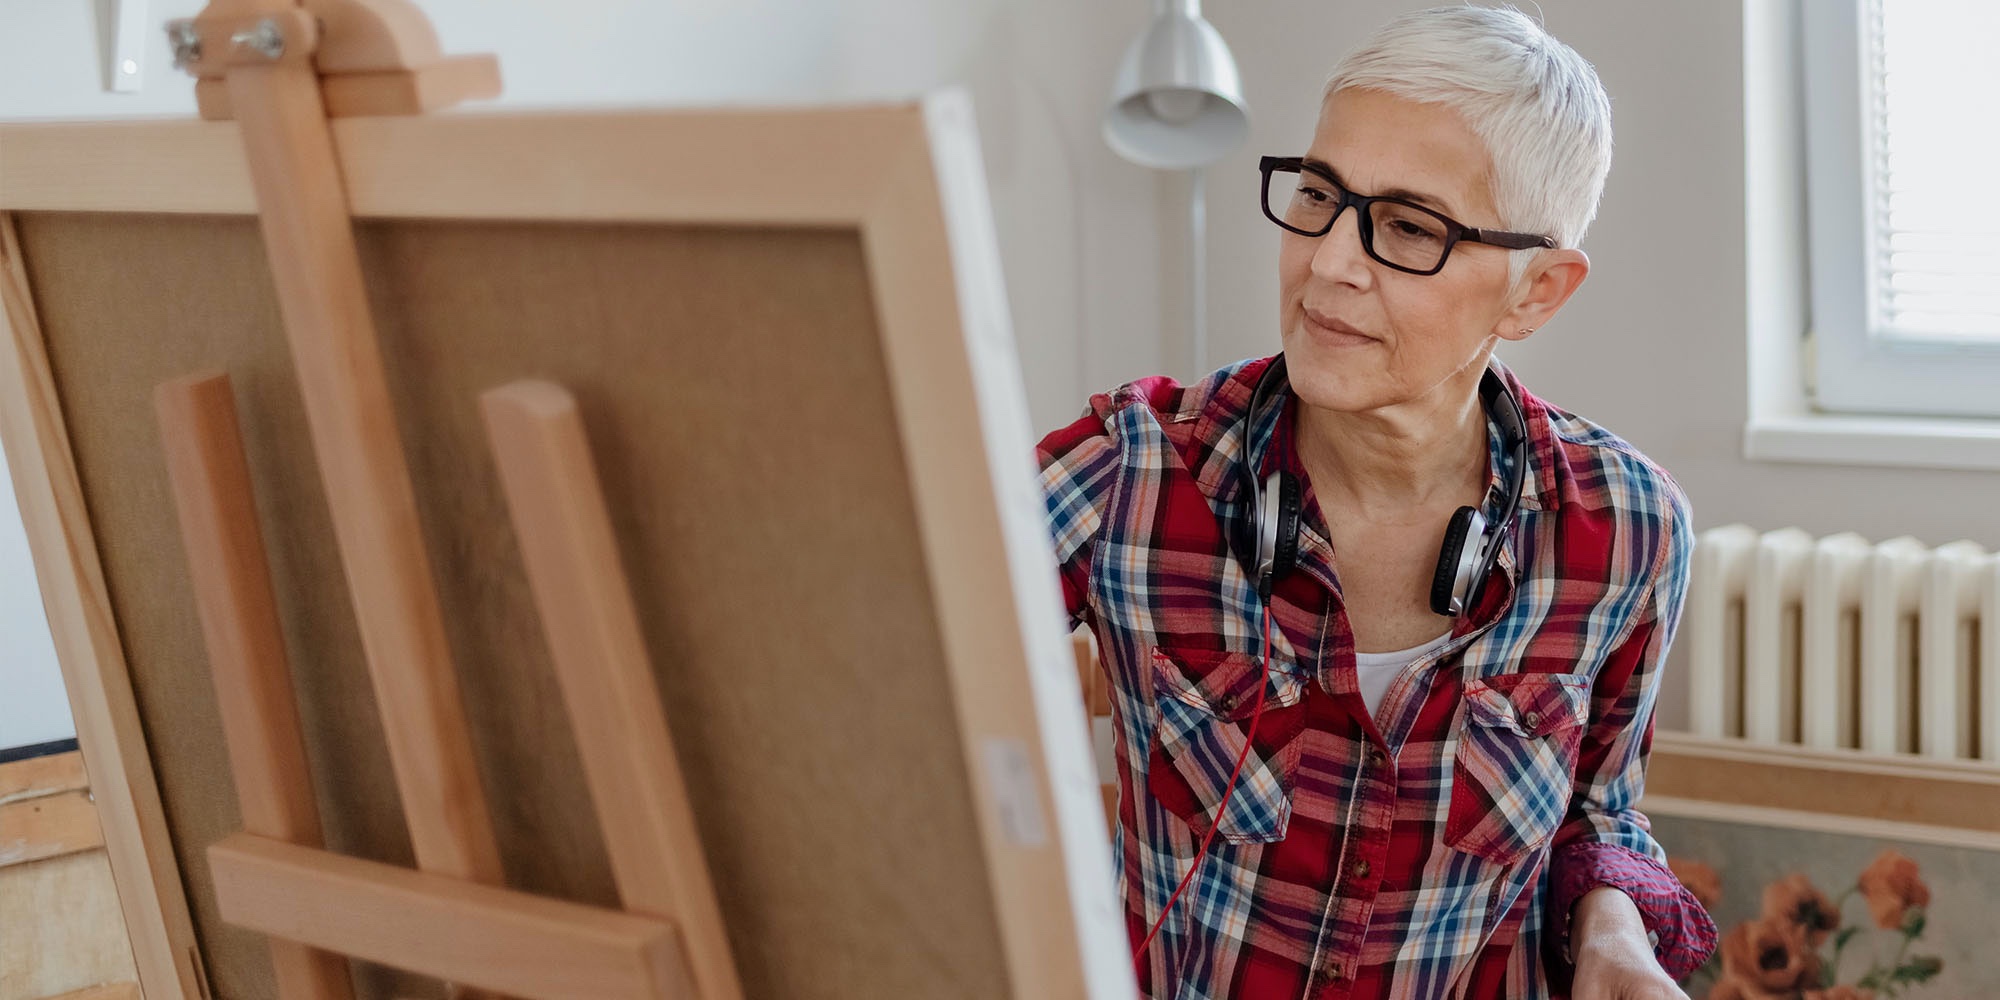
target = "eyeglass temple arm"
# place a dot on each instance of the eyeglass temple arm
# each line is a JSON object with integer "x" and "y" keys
{"x": 1510, "y": 241}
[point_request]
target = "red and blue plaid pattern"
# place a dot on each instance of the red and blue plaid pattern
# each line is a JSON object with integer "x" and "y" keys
{"x": 1433, "y": 849}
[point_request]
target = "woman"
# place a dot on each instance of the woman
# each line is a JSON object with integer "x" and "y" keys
{"x": 1339, "y": 790}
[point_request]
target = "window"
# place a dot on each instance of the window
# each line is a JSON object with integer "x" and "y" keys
{"x": 1904, "y": 205}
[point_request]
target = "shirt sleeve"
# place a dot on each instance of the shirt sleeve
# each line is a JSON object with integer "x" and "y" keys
{"x": 1604, "y": 840}
{"x": 1079, "y": 466}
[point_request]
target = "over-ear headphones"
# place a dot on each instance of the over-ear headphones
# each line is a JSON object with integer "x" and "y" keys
{"x": 1471, "y": 544}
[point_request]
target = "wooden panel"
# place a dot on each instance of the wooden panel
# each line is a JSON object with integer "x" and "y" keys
{"x": 88, "y": 647}
{"x": 1097, "y": 701}
{"x": 532, "y": 947}
{"x": 45, "y": 775}
{"x": 1958, "y": 794}
{"x": 48, "y": 826}
{"x": 755, "y": 476}
{"x": 1096, "y": 694}
{"x": 1661, "y": 806}
{"x": 60, "y": 929}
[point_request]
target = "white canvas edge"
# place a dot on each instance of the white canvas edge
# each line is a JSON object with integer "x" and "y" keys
{"x": 1003, "y": 416}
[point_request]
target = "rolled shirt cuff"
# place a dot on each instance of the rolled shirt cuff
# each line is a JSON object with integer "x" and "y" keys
{"x": 1682, "y": 933}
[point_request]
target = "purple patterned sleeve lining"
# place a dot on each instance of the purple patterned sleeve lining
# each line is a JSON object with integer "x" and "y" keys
{"x": 1684, "y": 935}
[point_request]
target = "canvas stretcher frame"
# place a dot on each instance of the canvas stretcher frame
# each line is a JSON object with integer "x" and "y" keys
{"x": 907, "y": 179}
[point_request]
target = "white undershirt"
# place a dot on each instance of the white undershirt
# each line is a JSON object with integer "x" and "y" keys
{"x": 1378, "y": 670}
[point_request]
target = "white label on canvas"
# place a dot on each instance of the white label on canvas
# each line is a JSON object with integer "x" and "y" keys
{"x": 1011, "y": 775}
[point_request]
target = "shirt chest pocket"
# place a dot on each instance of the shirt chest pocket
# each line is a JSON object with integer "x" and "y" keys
{"x": 1205, "y": 699}
{"x": 1516, "y": 761}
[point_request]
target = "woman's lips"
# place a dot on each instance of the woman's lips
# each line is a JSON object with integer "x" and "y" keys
{"x": 1333, "y": 332}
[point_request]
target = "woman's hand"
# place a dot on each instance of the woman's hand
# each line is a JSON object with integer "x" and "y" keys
{"x": 1620, "y": 969}
{"x": 1614, "y": 961}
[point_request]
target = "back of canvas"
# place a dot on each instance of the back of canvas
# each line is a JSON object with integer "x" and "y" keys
{"x": 737, "y": 400}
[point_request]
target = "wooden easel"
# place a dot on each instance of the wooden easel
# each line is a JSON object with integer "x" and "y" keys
{"x": 282, "y": 69}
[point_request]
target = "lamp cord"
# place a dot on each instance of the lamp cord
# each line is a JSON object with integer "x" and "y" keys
{"x": 1198, "y": 251}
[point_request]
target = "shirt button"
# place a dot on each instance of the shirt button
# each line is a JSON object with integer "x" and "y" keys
{"x": 1374, "y": 758}
{"x": 1534, "y": 719}
{"x": 1361, "y": 869}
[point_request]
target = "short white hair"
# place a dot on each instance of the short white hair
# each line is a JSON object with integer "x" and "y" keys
{"x": 1535, "y": 103}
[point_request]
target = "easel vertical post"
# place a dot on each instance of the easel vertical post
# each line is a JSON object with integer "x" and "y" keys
{"x": 310, "y": 242}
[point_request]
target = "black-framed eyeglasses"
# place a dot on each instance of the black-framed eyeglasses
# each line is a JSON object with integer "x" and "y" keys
{"x": 1306, "y": 200}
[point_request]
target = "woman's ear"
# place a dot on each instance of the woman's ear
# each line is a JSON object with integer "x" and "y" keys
{"x": 1551, "y": 278}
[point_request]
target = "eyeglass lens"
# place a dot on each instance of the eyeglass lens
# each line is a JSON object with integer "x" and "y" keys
{"x": 1402, "y": 235}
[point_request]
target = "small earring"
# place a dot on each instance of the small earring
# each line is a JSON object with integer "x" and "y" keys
{"x": 1527, "y": 331}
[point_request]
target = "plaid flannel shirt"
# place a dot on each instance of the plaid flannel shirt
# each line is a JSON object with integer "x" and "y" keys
{"x": 1432, "y": 849}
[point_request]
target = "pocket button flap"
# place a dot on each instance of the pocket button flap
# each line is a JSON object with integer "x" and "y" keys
{"x": 1220, "y": 682}
{"x": 1529, "y": 704}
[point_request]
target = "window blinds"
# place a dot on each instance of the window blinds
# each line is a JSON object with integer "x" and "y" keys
{"x": 1932, "y": 125}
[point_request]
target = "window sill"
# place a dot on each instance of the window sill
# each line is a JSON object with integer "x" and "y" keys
{"x": 1907, "y": 442}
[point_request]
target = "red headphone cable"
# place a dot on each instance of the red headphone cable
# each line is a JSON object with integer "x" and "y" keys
{"x": 1201, "y": 854}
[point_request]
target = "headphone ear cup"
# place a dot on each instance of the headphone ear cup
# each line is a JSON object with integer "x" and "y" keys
{"x": 1445, "y": 580}
{"x": 1288, "y": 526}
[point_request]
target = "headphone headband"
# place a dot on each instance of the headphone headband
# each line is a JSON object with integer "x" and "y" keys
{"x": 1471, "y": 545}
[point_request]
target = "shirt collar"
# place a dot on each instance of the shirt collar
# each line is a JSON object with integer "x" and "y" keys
{"x": 1219, "y": 437}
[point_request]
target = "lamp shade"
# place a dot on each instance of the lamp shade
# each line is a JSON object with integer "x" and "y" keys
{"x": 1177, "y": 102}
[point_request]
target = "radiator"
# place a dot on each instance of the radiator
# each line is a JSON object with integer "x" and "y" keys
{"x": 1836, "y": 642}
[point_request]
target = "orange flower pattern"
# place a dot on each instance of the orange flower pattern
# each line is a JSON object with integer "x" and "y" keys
{"x": 1769, "y": 955}
{"x": 1793, "y": 949}
{"x": 1892, "y": 887}
{"x": 1793, "y": 901}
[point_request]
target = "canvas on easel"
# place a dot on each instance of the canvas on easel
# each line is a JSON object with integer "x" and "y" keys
{"x": 724, "y": 400}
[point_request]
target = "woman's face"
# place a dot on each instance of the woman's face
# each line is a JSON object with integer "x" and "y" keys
{"x": 1415, "y": 331}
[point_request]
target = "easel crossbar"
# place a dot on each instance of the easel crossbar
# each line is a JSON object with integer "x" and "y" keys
{"x": 530, "y": 947}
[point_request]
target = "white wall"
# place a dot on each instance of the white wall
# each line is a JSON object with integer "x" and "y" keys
{"x": 1654, "y": 346}
{"x": 1071, "y": 216}
{"x": 32, "y": 706}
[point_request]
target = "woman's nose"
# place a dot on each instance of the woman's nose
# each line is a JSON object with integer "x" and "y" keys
{"x": 1339, "y": 255}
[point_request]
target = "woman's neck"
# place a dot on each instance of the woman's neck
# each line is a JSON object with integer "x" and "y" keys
{"x": 1402, "y": 460}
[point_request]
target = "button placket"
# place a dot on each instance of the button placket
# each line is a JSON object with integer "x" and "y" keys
{"x": 1339, "y": 906}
